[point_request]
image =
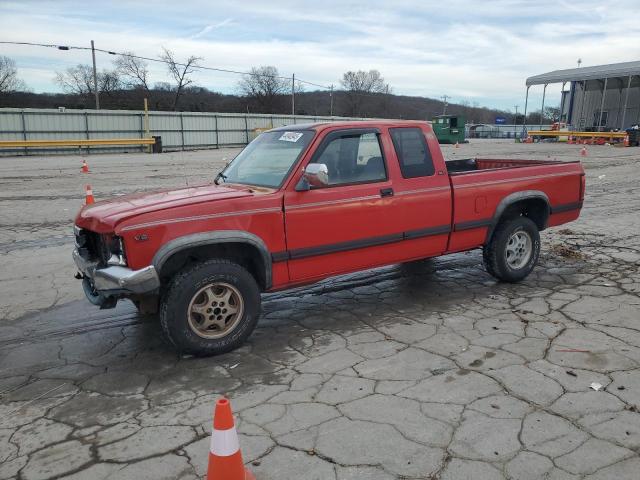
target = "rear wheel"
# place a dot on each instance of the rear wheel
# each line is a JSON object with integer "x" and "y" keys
{"x": 513, "y": 250}
{"x": 210, "y": 308}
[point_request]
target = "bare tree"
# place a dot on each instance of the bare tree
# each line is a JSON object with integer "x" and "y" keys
{"x": 134, "y": 71}
{"x": 358, "y": 85}
{"x": 180, "y": 72}
{"x": 109, "y": 81}
{"x": 9, "y": 81}
{"x": 264, "y": 85}
{"x": 552, "y": 113}
{"x": 79, "y": 80}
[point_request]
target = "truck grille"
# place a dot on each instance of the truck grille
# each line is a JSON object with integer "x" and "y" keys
{"x": 91, "y": 246}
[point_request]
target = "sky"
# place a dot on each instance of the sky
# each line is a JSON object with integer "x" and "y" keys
{"x": 479, "y": 52}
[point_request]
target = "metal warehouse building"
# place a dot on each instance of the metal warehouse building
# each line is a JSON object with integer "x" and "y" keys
{"x": 603, "y": 97}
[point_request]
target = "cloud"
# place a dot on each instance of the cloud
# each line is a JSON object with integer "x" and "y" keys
{"x": 481, "y": 53}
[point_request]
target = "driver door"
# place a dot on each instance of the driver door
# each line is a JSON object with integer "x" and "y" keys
{"x": 348, "y": 224}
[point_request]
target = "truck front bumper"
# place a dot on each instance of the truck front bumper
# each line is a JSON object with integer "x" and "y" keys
{"x": 117, "y": 280}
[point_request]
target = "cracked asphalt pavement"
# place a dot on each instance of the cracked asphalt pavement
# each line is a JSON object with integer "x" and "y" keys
{"x": 431, "y": 370}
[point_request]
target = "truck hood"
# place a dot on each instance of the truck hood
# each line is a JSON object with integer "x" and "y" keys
{"x": 103, "y": 216}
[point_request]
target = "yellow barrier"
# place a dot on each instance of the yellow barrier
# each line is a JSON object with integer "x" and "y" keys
{"x": 75, "y": 143}
{"x": 560, "y": 133}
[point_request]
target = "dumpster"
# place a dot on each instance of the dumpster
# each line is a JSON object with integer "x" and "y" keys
{"x": 449, "y": 128}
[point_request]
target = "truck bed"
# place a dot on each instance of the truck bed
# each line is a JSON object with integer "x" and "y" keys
{"x": 480, "y": 185}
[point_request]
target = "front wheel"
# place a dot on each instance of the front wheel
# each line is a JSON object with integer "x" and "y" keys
{"x": 210, "y": 308}
{"x": 513, "y": 250}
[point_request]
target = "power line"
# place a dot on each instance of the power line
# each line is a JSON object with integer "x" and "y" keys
{"x": 159, "y": 60}
{"x": 59, "y": 47}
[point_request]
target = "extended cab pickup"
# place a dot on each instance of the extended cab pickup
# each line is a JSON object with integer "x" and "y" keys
{"x": 305, "y": 202}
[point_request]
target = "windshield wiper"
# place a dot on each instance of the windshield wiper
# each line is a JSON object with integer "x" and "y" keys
{"x": 218, "y": 177}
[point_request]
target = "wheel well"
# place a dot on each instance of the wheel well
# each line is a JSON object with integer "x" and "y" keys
{"x": 244, "y": 254}
{"x": 536, "y": 209}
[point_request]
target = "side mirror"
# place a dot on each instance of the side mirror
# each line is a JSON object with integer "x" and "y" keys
{"x": 315, "y": 175}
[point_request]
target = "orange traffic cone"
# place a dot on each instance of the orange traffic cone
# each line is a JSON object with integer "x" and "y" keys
{"x": 89, "y": 200}
{"x": 225, "y": 458}
{"x": 570, "y": 140}
{"x": 85, "y": 167}
{"x": 625, "y": 142}
{"x": 457, "y": 145}
{"x": 583, "y": 152}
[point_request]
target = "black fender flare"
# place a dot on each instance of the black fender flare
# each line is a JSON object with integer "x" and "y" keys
{"x": 512, "y": 198}
{"x": 213, "y": 238}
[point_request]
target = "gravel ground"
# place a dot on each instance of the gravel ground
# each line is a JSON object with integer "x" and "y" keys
{"x": 432, "y": 370}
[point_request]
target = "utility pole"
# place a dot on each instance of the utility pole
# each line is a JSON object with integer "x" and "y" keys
{"x": 331, "y": 101}
{"x": 95, "y": 75}
{"x": 386, "y": 100}
{"x": 515, "y": 122}
{"x": 293, "y": 94}
{"x": 444, "y": 100}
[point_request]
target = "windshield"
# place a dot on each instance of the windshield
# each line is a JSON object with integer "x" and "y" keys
{"x": 267, "y": 160}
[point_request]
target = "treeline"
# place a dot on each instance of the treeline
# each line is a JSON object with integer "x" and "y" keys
{"x": 261, "y": 90}
{"x": 197, "y": 99}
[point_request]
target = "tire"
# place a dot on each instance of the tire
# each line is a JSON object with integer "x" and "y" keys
{"x": 513, "y": 250}
{"x": 201, "y": 288}
{"x": 485, "y": 259}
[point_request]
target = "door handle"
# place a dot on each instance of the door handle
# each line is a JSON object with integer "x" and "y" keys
{"x": 386, "y": 192}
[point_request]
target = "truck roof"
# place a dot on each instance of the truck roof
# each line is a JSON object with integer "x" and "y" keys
{"x": 318, "y": 126}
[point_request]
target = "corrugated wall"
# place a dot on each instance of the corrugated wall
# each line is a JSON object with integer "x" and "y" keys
{"x": 179, "y": 130}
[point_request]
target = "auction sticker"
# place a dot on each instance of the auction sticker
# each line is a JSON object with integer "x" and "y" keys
{"x": 290, "y": 136}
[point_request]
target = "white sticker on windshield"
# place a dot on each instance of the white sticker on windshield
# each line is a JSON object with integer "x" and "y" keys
{"x": 290, "y": 136}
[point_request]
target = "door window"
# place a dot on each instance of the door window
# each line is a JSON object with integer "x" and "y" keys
{"x": 412, "y": 151}
{"x": 353, "y": 158}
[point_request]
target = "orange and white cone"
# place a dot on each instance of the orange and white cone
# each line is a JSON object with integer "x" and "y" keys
{"x": 457, "y": 145}
{"x": 583, "y": 152}
{"x": 625, "y": 142}
{"x": 89, "y": 200}
{"x": 85, "y": 167}
{"x": 225, "y": 457}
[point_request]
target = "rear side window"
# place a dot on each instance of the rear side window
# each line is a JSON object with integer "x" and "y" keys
{"x": 412, "y": 151}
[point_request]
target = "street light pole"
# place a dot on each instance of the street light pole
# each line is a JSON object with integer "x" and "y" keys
{"x": 331, "y": 101}
{"x": 95, "y": 76}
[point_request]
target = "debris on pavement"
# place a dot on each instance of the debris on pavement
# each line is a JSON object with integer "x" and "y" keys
{"x": 566, "y": 251}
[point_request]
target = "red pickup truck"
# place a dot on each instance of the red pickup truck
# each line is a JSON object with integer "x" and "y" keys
{"x": 305, "y": 202}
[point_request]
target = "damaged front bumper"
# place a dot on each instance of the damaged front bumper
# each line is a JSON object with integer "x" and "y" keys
{"x": 116, "y": 281}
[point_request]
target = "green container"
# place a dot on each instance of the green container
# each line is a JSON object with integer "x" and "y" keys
{"x": 449, "y": 128}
